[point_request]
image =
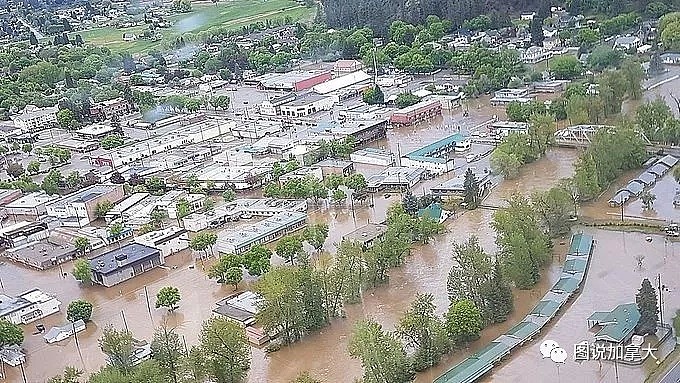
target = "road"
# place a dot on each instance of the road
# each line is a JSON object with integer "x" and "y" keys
{"x": 673, "y": 375}
{"x": 36, "y": 32}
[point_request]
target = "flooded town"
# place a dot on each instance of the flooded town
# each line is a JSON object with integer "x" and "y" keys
{"x": 237, "y": 192}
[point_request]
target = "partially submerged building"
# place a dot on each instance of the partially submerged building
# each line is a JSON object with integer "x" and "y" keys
{"x": 240, "y": 239}
{"x": 169, "y": 241}
{"x": 125, "y": 263}
{"x": 366, "y": 235}
{"x": 28, "y": 306}
{"x": 242, "y": 208}
{"x": 79, "y": 209}
{"x": 396, "y": 177}
{"x": 65, "y": 331}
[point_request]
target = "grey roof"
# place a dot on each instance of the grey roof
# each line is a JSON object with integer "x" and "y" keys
{"x": 9, "y": 304}
{"x": 67, "y": 327}
{"x": 621, "y": 197}
{"x": 646, "y": 178}
{"x": 87, "y": 194}
{"x": 366, "y": 233}
{"x": 658, "y": 169}
{"x": 127, "y": 255}
{"x": 669, "y": 160}
{"x": 635, "y": 187}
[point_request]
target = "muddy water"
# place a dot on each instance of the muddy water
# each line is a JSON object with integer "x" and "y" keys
{"x": 613, "y": 279}
{"x": 324, "y": 353}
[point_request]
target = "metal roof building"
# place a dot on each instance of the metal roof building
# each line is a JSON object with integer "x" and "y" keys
{"x": 617, "y": 325}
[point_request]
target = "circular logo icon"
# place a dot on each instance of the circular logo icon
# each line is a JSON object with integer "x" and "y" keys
{"x": 547, "y": 346}
{"x": 558, "y": 355}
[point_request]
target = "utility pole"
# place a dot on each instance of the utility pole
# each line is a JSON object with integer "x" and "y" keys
{"x": 122, "y": 313}
{"x": 148, "y": 305}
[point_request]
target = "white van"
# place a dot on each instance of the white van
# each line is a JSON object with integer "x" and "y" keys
{"x": 462, "y": 146}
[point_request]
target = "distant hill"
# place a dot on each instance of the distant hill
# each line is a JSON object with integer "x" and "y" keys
{"x": 378, "y": 14}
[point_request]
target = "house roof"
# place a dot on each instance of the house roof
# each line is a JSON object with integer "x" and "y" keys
{"x": 366, "y": 233}
{"x": 658, "y": 169}
{"x": 635, "y": 187}
{"x": 617, "y": 324}
{"x": 669, "y": 160}
{"x": 78, "y": 325}
{"x": 646, "y": 178}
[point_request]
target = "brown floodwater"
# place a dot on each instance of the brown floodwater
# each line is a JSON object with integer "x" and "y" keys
{"x": 324, "y": 353}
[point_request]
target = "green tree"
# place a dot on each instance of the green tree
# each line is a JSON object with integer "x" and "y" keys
{"x": 406, "y": 99}
{"x": 305, "y": 377}
{"x": 67, "y": 119}
{"x": 423, "y": 331}
{"x": 102, "y": 208}
{"x": 26, "y": 148}
{"x": 289, "y": 248}
{"x": 506, "y": 164}
{"x": 183, "y": 209}
{"x": 470, "y": 273}
{"x": 554, "y": 207}
{"x": 118, "y": 346}
{"x": 647, "y": 304}
{"x": 82, "y": 244}
{"x": 647, "y": 199}
{"x": 221, "y": 269}
{"x": 229, "y": 195}
{"x": 82, "y": 271}
{"x": 604, "y": 57}
{"x": 193, "y": 367}
{"x": 471, "y": 186}
{"x": 585, "y": 177}
{"x": 523, "y": 245}
{"x": 356, "y": 182}
{"x": 382, "y": 355}
{"x": 463, "y": 322}
{"x": 115, "y": 231}
{"x": 498, "y": 296}
{"x": 158, "y": 216}
{"x": 257, "y": 260}
{"x": 209, "y": 204}
{"x": 10, "y": 334}
{"x": 633, "y": 74}
{"x": 203, "y": 241}
{"x": 33, "y": 167}
{"x": 79, "y": 309}
{"x": 565, "y": 67}
{"x": 426, "y": 228}
{"x": 169, "y": 297}
{"x": 167, "y": 350}
{"x": 71, "y": 375}
{"x": 14, "y": 169}
{"x": 225, "y": 349}
{"x": 374, "y": 96}
{"x": 233, "y": 276}
{"x": 315, "y": 235}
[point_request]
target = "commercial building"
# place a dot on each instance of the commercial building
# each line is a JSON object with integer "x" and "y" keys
{"x": 241, "y": 239}
{"x": 197, "y": 132}
{"x": 35, "y": 119}
{"x": 506, "y": 96}
{"x": 43, "y": 254}
{"x": 373, "y": 156}
{"x": 616, "y": 326}
{"x": 121, "y": 264}
{"x": 31, "y": 205}
{"x": 12, "y": 355}
{"x": 78, "y": 209}
{"x": 455, "y": 187}
{"x": 242, "y": 309}
{"x": 123, "y": 209}
{"x": 366, "y": 235}
{"x": 505, "y": 128}
{"x": 307, "y": 105}
{"x": 169, "y": 241}
{"x": 245, "y": 207}
{"x": 96, "y": 131}
{"x": 272, "y": 107}
{"x": 396, "y": 177}
{"x": 9, "y": 195}
{"x": 434, "y": 156}
{"x": 293, "y": 81}
{"x": 333, "y": 166}
{"x": 28, "y": 307}
{"x": 106, "y": 110}
{"x": 344, "y": 67}
{"x": 256, "y": 129}
{"x": 361, "y": 131}
{"x": 236, "y": 177}
{"x": 413, "y": 114}
{"x": 21, "y": 233}
{"x": 301, "y": 173}
{"x": 342, "y": 81}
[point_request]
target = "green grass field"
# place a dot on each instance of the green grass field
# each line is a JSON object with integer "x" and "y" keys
{"x": 232, "y": 14}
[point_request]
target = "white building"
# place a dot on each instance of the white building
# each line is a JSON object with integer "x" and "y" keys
{"x": 169, "y": 241}
{"x": 30, "y": 205}
{"x": 79, "y": 208}
{"x": 301, "y": 173}
{"x": 65, "y": 331}
{"x": 245, "y": 207}
{"x": 241, "y": 239}
{"x": 627, "y": 43}
{"x": 341, "y": 82}
{"x": 34, "y": 119}
{"x": 533, "y": 55}
{"x": 28, "y": 307}
{"x": 256, "y": 129}
{"x": 373, "y": 156}
{"x": 506, "y": 96}
{"x": 307, "y": 105}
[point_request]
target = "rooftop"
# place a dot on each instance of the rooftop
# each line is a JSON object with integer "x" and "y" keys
{"x": 95, "y": 129}
{"x": 122, "y": 257}
{"x": 396, "y": 175}
{"x": 87, "y": 194}
{"x": 243, "y": 235}
{"x": 366, "y": 233}
{"x": 432, "y": 148}
{"x": 305, "y": 100}
{"x": 160, "y": 236}
{"x": 617, "y": 324}
{"x": 341, "y": 82}
{"x": 581, "y": 244}
{"x": 31, "y": 200}
{"x": 289, "y": 79}
{"x": 415, "y": 107}
{"x": 10, "y": 304}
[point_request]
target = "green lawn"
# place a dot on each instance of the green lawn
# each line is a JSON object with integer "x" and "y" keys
{"x": 232, "y": 14}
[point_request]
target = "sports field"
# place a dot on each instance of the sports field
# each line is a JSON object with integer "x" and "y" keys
{"x": 205, "y": 15}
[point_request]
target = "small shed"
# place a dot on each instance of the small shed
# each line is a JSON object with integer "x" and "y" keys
{"x": 659, "y": 169}
{"x": 646, "y": 178}
{"x": 634, "y": 187}
{"x": 620, "y": 198}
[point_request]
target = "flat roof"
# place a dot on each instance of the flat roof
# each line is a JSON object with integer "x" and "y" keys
{"x": 415, "y": 107}
{"x": 341, "y": 82}
{"x": 288, "y": 79}
{"x": 333, "y": 163}
{"x": 87, "y": 194}
{"x": 31, "y": 200}
{"x": 428, "y": 149}
{"x": 366, "y": 233}
{"x": 159, "y": 236}
{"x": 243, "y": 235}
{"x": 305, "y": 100}
{"x": 129, "y": 254}
{"x": 95, "y": 129}
{"x": 396, "y": 175}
